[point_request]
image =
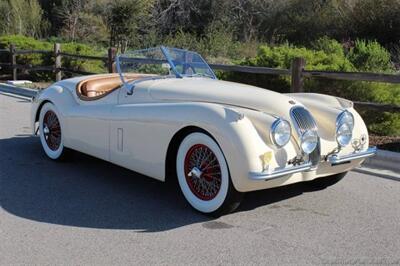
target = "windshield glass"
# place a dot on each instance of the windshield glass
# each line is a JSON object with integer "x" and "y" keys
{"x": 163, "y": 61}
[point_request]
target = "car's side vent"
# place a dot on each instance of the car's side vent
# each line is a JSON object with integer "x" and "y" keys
{"x": 303, "y": 121}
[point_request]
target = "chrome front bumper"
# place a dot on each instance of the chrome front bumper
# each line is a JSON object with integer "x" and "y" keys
{"x": 339, "y": 159}
{"x": 278, "y": 172}
{"x": 334, "y": 159}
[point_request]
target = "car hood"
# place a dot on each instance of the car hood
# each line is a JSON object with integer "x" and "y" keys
{"x": 223, "y": 92}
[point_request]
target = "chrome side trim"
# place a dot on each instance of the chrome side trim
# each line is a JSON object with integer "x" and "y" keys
{"x": 278, "y": 172}
{"x": 338, "y": 159}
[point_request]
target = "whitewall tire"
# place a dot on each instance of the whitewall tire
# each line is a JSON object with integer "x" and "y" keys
{"x": 203, "y": 175}
{"x": 51, "y": 132}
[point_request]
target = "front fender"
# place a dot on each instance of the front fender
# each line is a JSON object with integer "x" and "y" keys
{"x": 325, "y": 109}
{"x": 157, "y": 123}
{"x": 243, "y": 136}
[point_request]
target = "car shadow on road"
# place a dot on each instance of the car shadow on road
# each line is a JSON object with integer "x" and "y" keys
{"x": 88, "y": 192}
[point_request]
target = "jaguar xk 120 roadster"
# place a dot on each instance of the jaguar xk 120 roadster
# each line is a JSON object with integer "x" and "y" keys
{"x": 166, "y": 115}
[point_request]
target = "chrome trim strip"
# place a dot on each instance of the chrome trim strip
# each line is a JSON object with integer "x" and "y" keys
{"x": 278, "y": 172}
{"x": 337, "y": 159}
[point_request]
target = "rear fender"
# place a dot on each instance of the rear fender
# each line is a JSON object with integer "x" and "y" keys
{"x": 59, "y": 96}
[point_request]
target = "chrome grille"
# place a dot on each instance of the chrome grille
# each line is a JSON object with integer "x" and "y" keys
{"x": 302, "y": 120}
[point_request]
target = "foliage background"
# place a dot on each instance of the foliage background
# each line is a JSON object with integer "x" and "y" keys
{"x": 338, "y": 35}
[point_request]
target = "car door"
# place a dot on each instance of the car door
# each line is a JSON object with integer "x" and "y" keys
{"x": 136, "y": 136}
{"x": 89, "y": 125}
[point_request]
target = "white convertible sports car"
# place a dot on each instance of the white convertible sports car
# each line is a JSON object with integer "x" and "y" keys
{"x": 166, "y": 115}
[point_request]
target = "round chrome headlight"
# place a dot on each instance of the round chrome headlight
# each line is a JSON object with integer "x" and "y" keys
{"x": 280, "y": 132}
{"x": 309, "y": 141}
{"x": 344, "y": 128}
{"x": 345, "y": 117}
{"x": 344, "y": 135}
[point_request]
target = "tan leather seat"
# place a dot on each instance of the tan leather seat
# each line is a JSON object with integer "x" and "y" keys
{"x": 94, "y": 88}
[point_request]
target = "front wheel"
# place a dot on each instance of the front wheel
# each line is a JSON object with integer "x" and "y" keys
{"x": 204, "y": 177}
{"x": 326, "y": 181}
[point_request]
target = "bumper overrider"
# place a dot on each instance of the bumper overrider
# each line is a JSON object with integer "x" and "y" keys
{"x": 333, "y": 159}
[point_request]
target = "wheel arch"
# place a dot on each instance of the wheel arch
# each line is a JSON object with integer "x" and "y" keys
{"x": 36, "y": 114}
{"x": 40, "y": 109}
{"x": 172, "y": 150}
{"x": 236, "y": 136}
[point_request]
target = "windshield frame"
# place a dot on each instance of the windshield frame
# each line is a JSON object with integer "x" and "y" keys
{"x": 174, "y": 72}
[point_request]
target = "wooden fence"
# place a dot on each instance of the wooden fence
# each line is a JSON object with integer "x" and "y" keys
{"x": 297, "y": 71}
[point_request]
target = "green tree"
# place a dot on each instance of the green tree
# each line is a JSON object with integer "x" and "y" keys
{"x": 376, "y": 20}
{"x": 21, "y": 17}
{"x": 78, "y": 21}
{"x": 127, "y": 21}
{"x": 193, "y": 16}
{"x": 5, "y": 17}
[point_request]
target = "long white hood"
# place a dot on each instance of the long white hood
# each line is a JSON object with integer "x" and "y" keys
{"x": 223, "y": 92}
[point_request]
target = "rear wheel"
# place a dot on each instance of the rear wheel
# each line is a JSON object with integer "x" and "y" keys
{"x": 51, "y": 135}
{"x": 204, "y": 177}
{"x": 324, "y": 182}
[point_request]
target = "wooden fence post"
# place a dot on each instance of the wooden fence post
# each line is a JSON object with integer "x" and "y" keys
{"x": 57, "y": 61}
{"x": 111, "y": 59}
{"x": 13, "y": 62}
{"x": 297, "y": 74}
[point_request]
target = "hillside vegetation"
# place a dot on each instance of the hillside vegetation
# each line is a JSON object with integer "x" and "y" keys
{"x": 337, "y": 35}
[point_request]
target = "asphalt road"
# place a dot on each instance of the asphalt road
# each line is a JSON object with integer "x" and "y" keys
{"x": 88, "y": 211}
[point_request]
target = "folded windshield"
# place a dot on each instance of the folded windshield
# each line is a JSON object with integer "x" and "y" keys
{"x": 163, "y": 61}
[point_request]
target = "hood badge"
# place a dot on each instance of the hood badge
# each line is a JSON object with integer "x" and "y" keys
{"x": 292, "y": 102}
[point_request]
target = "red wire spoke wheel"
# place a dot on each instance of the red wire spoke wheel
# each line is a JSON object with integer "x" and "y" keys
{"x": 203, "y": 175}
{"x": 51, "y": 135}
{"x": 52, "y": 130}
{"x": 203, "y": 172}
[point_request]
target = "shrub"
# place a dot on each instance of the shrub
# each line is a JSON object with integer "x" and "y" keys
{"x": 386, "y": 124}
{"x": 94, "y": 66}
{"x": 370, "y": 56}
{"x": 27, "y": 43}
{"x": 282, "y": 57}
{"x": 329, "y": 46}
